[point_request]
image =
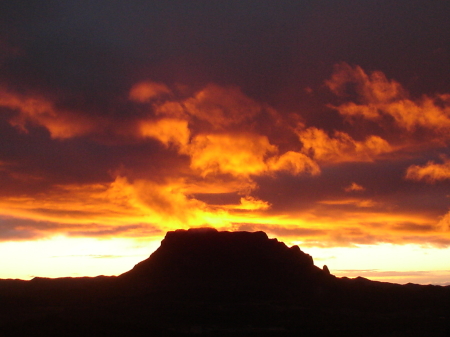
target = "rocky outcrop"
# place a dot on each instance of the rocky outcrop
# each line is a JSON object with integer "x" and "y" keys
{"x": 219, "y": 261}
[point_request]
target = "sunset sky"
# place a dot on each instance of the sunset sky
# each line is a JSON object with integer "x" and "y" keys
{"x": 323, "y": 123}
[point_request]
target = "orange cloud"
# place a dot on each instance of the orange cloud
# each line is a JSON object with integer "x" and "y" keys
{"x": 335, "y": 223}
{"x": 221, "y": 106}
{"x": 370, "y": 88}
{"x": 424, "y": 113}
{"x": 356, "y": 202}
{"x": 251, "y": 204}
{"x": 139, "y": 208}
{"x": 431, "y": 172}
{"x": 237, "y": 154}
{"x": 244, "y": 155}
{"x": 145, "y": 91}
{"x": 219, "y": 185}
{"x": 120, "y": 203}
{"x": 354, "y": 187}
{"x": 358, "y": 223}
{"x": 171, "y": 109}
{"x": 167, "y": 130}
{"x": 444, "y": 223}
{"x": 132, "y": 208}
{"x": 40, "y": 111}
{"x": 377, "y": 98}
{"x": 293, "y": 162}
{"x": 341, "y": 147}
{"x": 221, "y": 161}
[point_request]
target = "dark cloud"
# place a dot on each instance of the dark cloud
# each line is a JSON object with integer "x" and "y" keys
{"x": 13, "y": 229}
{"x": 412, "y": 227}
{"x": 107, "y": 45}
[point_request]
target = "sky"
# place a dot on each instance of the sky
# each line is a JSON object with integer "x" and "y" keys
{"x": 325, "y": 124}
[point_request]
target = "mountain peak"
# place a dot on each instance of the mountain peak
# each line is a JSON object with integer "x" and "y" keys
{"x": 208, "y": 258}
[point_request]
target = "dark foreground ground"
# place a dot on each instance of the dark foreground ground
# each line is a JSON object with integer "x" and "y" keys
{"x": 217, "y": 284}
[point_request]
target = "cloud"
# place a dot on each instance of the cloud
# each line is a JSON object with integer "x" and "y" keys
{"x": 216, "y": 141}
{"x": 105, "y": 209}
{"x": 430, "y": 172}
{"x": 213, "y": 107}
{"x": 365, "y": 203}
{"x": 252, "y": 204}
{"x": 413, "y": 227}
{"x": 219, "y": 185}
{"x": 145, "y": 91}
{"x": 282, "y": 231}
{"x": 235, "y": 154}
{"x": 171, "y": 109}
{"x": 12, "y": 229}
{"x": 166, "y": 201}
{"x": 444, "y": 223}
{"x": 294, "y": 163}
{"x": 199, "y": 131}
{"x": 341, "y": 147}
{"x": 167, "y": 130}
{"x": 354, "y": 187}
{"x": 369, "y": 88}
{"x": 374, "y": 97}
{"x": 143, "y": 230}
{"x": 244, "y": 155}
{"x": 140, "y": 208}
{"x": 238, "y": 153}
{"x": 221, "y": 106}
{"x": 36, "y": 110}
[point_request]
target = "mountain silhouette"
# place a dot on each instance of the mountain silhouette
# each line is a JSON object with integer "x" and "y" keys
{"x": 211, "y": 283}
{"x": 226, "y": 263}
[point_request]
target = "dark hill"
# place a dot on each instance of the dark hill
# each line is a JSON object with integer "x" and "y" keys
{"x": 210, "y": 283}
{"x": 226, "y": 263}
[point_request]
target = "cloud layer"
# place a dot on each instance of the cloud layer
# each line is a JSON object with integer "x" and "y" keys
{"x": 217, "y": 146}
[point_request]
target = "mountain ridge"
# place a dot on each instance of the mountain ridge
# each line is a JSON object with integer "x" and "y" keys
{"x": 202, "y": 281}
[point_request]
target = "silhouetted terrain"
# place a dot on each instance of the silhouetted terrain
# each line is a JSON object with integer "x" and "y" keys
{"x": 205, "y": 282}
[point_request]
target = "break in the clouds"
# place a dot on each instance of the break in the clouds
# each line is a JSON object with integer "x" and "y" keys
{"x": 324, "y": 124}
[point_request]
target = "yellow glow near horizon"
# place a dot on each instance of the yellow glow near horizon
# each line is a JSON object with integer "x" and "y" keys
{"x": 386, "y": 262}
{"x": 76, "y": 257}
{"x": 72, "y": 257}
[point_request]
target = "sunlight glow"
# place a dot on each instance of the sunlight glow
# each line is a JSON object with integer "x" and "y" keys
{"x": 72, "y": 257}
